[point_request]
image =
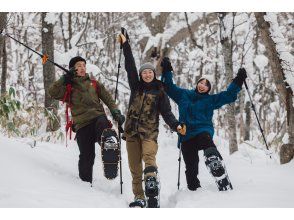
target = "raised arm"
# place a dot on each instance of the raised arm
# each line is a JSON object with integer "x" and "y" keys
{"x": 130, "y": 65}
{"x": 230, "y": 95}
{"x": 171, "y": 88}
{"x": 57, "y": 89}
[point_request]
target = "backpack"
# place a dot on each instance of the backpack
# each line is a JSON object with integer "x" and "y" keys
{"x": 67, "y": 97}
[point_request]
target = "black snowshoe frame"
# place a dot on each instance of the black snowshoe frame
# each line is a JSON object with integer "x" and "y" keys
{"x": 217, "y": 169}
{"x": 110, "y": 153}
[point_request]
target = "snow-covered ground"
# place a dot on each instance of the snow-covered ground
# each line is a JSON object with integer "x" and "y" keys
{"x": 46, "y": 176}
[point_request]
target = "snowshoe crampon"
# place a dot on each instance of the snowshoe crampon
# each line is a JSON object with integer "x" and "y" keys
{"x": 152, "y": 192}
{"x": 110, "y": 152}
{"x": 216, "y": 167}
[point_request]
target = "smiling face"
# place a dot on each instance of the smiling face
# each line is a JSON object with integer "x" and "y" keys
{"x": 147, "y": 75}
{"x": 202, "y": 86}
{"x": 80, "y": 68}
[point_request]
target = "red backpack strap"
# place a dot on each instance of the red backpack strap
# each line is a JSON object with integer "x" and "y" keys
{"x": 69, "y": 122}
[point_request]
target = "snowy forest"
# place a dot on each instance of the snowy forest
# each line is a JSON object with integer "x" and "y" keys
{"x": 198, "y": 44}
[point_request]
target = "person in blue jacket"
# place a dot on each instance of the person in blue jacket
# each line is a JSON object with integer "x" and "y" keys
{"x": 196, "y": 108}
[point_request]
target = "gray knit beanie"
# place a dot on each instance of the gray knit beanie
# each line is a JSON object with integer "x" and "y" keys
{"x": 147, "y": 66}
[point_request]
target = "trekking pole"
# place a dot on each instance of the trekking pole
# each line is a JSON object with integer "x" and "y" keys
{"x": 120, "y": 167}
{"x": 179, "y": 159}
{"x": 118, "y": 68}
{"x": 253, "y": 108}
{"x": 43, "y": 56}
{"x": 120, "y": 129}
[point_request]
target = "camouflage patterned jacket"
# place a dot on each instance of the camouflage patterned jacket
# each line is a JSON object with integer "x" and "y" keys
{"x": 147, "y": 101}
{"x": 86, "y": 105}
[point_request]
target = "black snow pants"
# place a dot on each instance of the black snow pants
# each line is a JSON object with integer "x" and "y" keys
{"x": 86, "y": 138}
{"x": 190, "y": 150}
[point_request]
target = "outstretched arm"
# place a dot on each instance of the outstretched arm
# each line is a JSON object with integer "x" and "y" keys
{"x": 226, "y": 97}
{"x": 130, "y": 65}
{"x": 171, "y": 88}
{"x": 233, "y": 89}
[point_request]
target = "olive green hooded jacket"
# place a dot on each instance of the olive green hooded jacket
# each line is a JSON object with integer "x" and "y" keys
{"x": 86, "y": 104}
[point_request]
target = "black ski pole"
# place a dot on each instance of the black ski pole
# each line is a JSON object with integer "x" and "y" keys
{"x": 179, "y": 159}
{"x": 120, "y": 167}
{"x": 43, "y": 56}
{"x": 253, "y": 108}
{"x": 120, "y": 129}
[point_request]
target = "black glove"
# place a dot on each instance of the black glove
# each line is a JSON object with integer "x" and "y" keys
{"x": 118, "y": 116}
{"x": 241, "y": 76}
{"x": 166, "y": 65}
{"x": 69, "y": 76}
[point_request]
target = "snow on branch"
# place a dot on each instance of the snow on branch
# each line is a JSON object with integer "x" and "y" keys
{"x": 284, "y": 54}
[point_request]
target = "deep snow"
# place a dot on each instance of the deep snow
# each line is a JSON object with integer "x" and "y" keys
{"x": 46, "y": 176}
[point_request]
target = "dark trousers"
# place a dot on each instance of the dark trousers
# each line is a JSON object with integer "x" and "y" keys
{"x": 190, "y": 150}
{"x": 86, "y": 138}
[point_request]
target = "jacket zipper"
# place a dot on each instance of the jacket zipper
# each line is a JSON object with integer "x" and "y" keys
{"x": 141, "y": 110}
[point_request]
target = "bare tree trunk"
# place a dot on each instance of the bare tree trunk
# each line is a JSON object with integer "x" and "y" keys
{"x": 49, "y": 70}
{"x": 69, "y": 29}
{"x": 3, "y": 56}
{"x": 62, "y": 31}
{"x": 227, "y": 44}
{"x": 242, "y": 107}
{"x": 4, "y": 70}
{"x": 247, "y": 121}
{"x": 287, "y": 150}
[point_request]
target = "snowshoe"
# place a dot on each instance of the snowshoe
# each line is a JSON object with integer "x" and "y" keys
{"x": 216, "y": 167}
{"x": 138, "y": 203}
{"x": 152, "y": 192}
{"x": 110, "y": 152}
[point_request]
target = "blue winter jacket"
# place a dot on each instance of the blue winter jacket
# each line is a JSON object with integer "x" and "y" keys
{"x": 195, "y": 109}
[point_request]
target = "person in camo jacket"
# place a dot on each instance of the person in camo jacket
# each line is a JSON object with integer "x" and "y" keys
{"x": 147, "y": 100}
{"x": 87, "y": 111}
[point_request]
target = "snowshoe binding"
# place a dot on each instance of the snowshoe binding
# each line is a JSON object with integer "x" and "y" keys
{"x": 152, "y": 188}
{"x": 216, "y": 167}
{"x": 138, "y": 203}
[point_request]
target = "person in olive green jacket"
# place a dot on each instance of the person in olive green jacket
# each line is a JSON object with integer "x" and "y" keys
{"x": 89, "y": 118}
{"x": 147, "y": 101}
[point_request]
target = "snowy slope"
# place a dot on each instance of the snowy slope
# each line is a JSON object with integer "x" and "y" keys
{"x": 46, "y": 176}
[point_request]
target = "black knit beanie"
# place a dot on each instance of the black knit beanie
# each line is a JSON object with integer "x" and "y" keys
{"x": 74, "y": 60}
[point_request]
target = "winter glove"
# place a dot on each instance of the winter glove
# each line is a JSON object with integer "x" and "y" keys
{"x": 240, "y": 78}
{"x": 181, "y": 129}
{"x": 123, "y": 36}
{"x": 69, "y": 76}
{"x": 118, "y": 116}
{"x": 166, "y": 65}
{"x": 242, "y": 74}
{"x": 121, "y": 39}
